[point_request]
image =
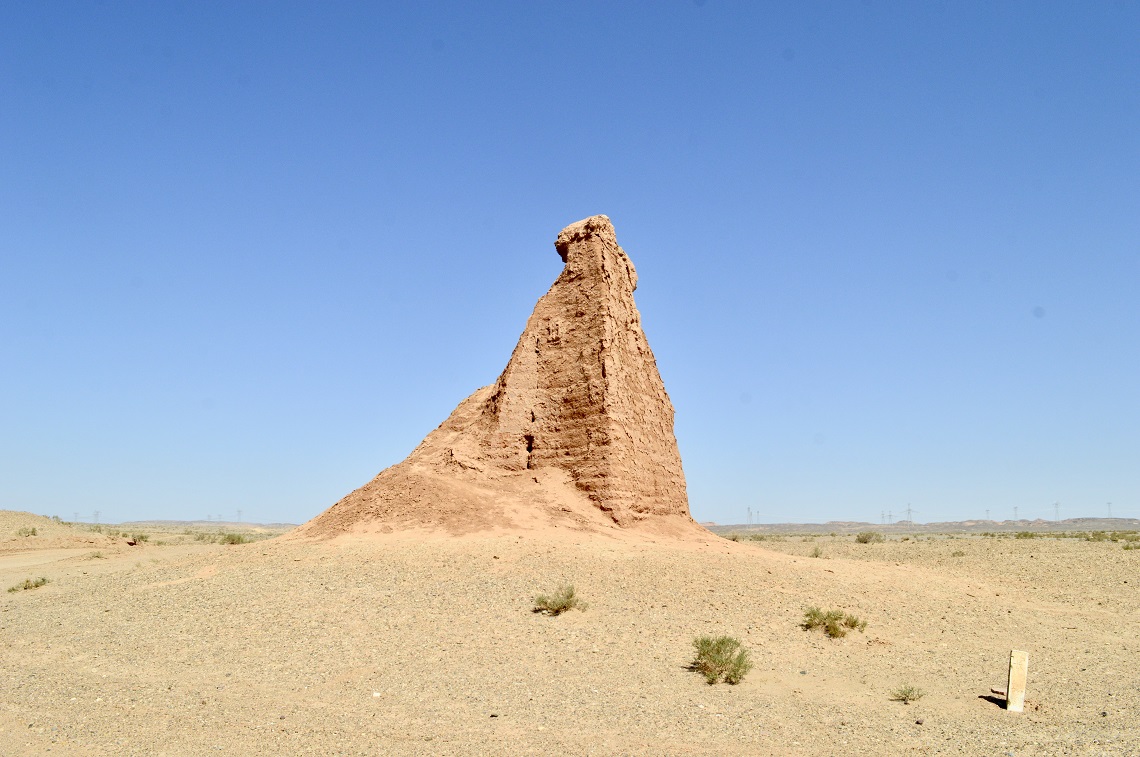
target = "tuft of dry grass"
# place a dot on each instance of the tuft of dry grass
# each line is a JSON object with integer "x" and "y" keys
{"x": 907, "y": 694}
{"x": 562, "y": 600}
{"x": 29, "y": 584}
{"x": 835, "y": 623}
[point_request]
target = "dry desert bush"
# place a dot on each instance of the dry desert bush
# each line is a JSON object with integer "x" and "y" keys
{"x": 907, "y": 694}
{"x": 562, "y": 600}
{"x": 721, "y": 658}
{"x": 28, "y": 584}
{"x": 835, "y": 623}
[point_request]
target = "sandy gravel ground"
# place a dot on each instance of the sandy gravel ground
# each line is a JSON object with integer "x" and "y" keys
{"x": 427, "y": 645}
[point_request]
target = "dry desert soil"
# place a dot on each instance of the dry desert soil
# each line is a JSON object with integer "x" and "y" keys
{"x": 424, "y": 643}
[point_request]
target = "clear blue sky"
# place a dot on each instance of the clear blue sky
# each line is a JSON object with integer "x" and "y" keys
{"x": 251, "y": 253}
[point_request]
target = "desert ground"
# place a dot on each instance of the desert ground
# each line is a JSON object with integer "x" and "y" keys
{"x": 425, "y": 643}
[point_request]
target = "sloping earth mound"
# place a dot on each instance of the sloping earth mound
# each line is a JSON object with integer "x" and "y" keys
{"x": 16, "y": 534}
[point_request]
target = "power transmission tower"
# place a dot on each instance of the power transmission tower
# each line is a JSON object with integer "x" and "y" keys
{"x": 239, "y": 516}
{"x": 890, "y": 517}
{"x": 908, "y": 511}
{"x": 987, "y": 514}
{"x": 95, "y": 518}
{"x": 1015, "y": 512}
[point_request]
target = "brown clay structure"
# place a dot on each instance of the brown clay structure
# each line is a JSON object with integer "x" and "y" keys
{"x": 577, "y": 430}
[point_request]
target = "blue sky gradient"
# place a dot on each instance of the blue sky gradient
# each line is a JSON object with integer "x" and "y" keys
{"x": 251, "y": 253}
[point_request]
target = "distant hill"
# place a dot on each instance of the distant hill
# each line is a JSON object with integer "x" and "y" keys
{"x": 907, "y": 527}
{"x": 172, "y": 524}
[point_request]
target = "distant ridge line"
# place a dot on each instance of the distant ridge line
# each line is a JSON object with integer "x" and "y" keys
{"x": 200, "y": 524}
{"x": 966, "y": 526}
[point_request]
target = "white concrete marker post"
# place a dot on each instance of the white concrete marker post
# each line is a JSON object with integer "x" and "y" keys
{"x": 1018, "y": 674}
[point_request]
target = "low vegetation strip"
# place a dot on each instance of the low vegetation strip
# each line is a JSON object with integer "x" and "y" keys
{"x": 28, "y": 584}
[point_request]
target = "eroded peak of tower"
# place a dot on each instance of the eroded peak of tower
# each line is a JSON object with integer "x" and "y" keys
{"x": 585, "y": 245}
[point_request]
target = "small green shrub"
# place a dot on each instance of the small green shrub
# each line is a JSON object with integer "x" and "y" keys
{"x": 835, "y": 623}
{"x": 957, "y": 553}
{"x": 96, "y": 556}
{"x": 140, "y": 537}
{"x": 1025, "y": 535}
{"x": 721, "y": 658}
{"x": 233, "y": 539}
{"x": 868, "y": 537}
{"x": 1132, "y": 545}
{"x": 559, "y": 602}
{"x": 907, "y": 694}
{"x": 1097, "y": 536}
{"x": 817, "y": 552}
{"x": 29, "y": 584}
{"x": 26, "y": 532}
